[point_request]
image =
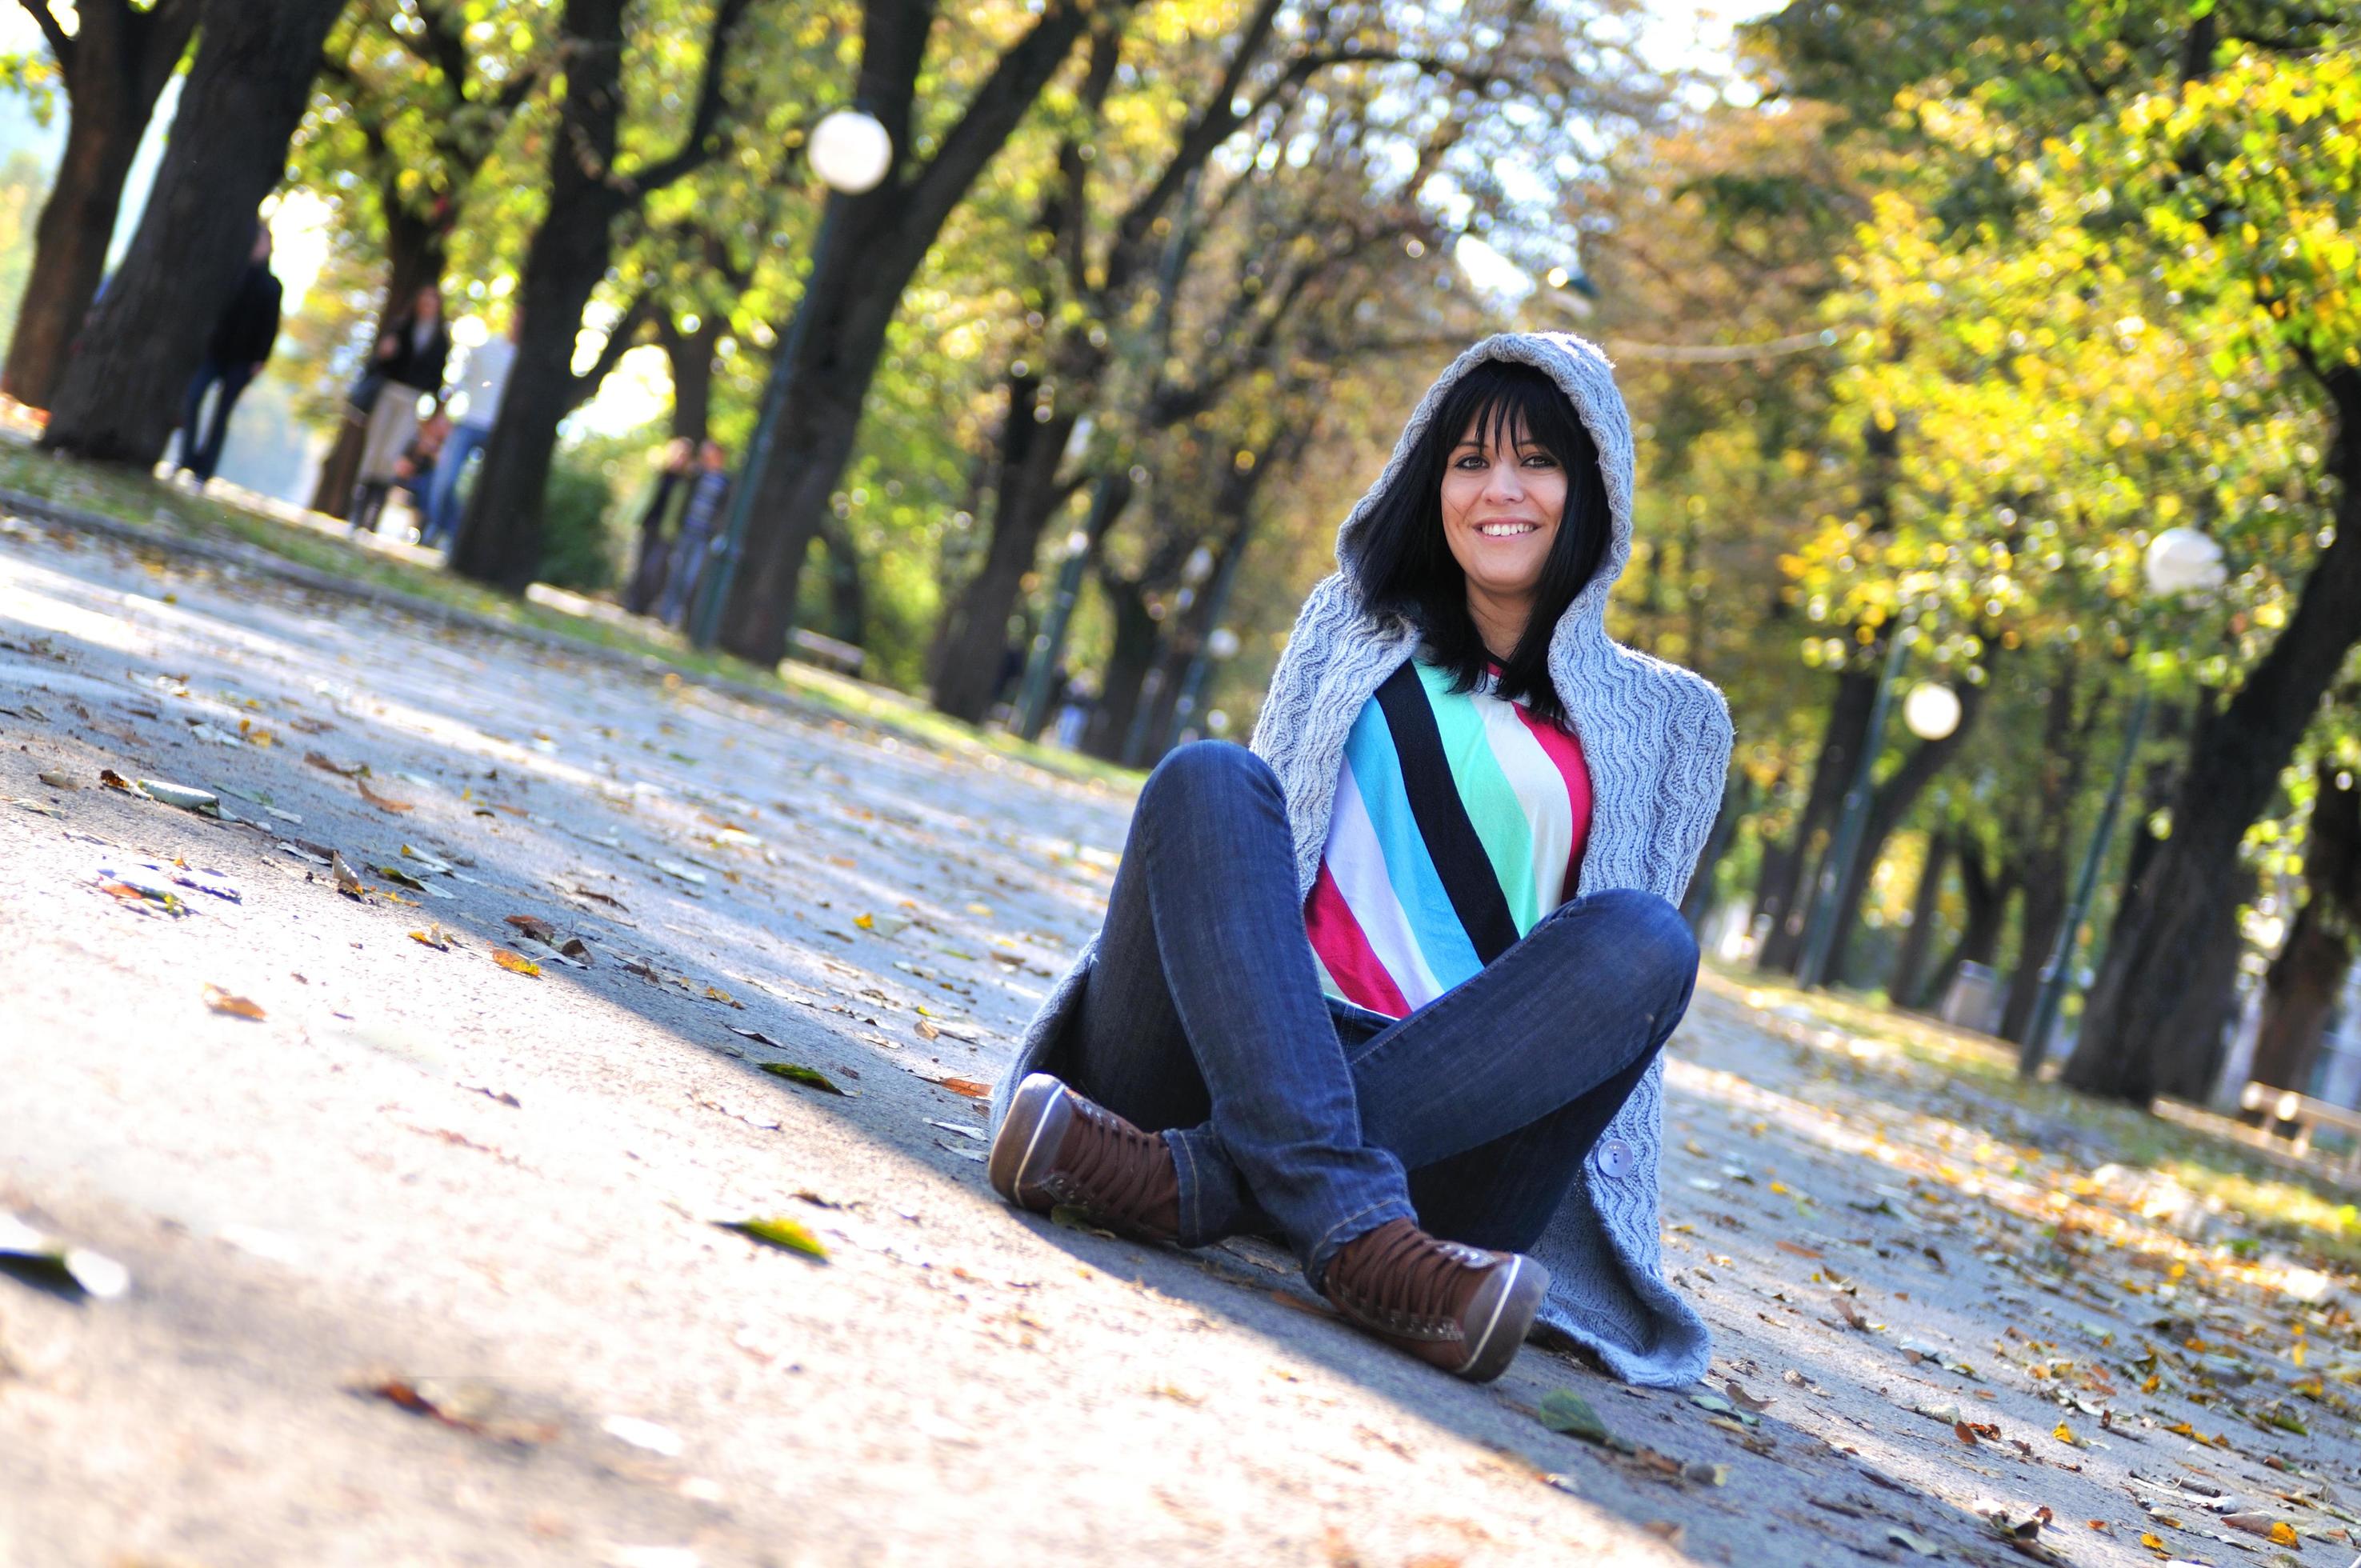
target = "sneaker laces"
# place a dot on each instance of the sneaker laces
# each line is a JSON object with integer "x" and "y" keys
{"x": 1407, "y": 1272}
{"x": 1116, "y": 1163}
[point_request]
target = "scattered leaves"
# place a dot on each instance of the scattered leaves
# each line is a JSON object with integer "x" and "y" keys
{"x": 515, "y": 963}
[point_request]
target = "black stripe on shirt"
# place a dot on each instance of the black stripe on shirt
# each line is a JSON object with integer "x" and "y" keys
{"x": 1459, "y": 856}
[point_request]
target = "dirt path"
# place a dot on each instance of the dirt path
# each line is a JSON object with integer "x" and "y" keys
{"x": 494, "y": 1195}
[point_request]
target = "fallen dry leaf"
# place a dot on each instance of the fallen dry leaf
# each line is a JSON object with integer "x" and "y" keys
{"x": 967, "y": 1086}
{"x": 237, "y": 1006}
{"x": 320, "y": 761}
{"x": 113, "y": 780}
{"x": 515, "y": 963}
{"x": 434, "y": 936}
{"x": 533, "y": 925}
{"x": 381, "y": 802}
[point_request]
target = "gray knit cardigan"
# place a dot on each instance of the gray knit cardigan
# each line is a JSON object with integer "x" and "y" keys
{"x": 1657, "y": 741}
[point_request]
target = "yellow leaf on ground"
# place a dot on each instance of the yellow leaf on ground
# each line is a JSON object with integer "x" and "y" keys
{"x": 221, "y": 1000}
{"x": 2064, "y": 1434}
{"x": 515, "y": 963}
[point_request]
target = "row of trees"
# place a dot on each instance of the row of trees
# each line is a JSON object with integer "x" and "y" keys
{"x": 2079, "y": 272}
{"x": 1152, "y": 224}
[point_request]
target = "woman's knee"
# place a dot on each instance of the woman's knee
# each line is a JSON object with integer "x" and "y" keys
{"x": 1206, "y": 769}
{"x": 1650, "y": 939}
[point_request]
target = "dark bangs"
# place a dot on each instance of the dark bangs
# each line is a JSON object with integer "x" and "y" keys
{"x": 1405, "y": 566}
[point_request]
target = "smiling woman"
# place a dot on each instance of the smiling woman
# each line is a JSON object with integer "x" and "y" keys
{"x": 1391, "y": 985}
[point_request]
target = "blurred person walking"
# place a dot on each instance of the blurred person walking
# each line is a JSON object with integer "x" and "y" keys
{"x": 673, "y": 463}
{"x": 408, "y": 366}
{"x": 482, "y": 382}
{"x": 700, "y": 524}
{"x": 235, "y": 355}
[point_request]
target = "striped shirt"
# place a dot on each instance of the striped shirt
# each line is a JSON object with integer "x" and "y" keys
{"x": 1459, "y": 823}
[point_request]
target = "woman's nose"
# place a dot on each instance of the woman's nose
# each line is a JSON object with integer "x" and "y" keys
{"x": 1505, "y": 483}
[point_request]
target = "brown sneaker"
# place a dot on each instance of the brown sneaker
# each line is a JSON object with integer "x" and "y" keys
{"x": 1056, "y": 1148}
{"x": 1459, "y": 1308}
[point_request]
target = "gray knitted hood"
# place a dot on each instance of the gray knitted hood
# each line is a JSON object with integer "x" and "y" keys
{"x": 1584, "y": 374}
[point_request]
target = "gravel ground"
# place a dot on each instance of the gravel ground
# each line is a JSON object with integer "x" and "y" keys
{"x": 426, "y": 1263}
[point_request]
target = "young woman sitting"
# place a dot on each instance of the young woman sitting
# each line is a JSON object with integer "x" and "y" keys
{"x": 1390, "y": 985}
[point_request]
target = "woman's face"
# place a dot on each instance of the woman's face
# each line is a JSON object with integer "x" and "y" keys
{"x": 1501, "y": 508}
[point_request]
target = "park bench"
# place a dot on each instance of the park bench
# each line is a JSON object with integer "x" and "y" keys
{"x": 2284, "y": 1107}
{"x": 826, "y": 652}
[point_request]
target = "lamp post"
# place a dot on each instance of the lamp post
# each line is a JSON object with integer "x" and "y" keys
{"x": 1932, "y": 712}
{"x": 2180, "y": 561}
{"x": 852, "y": 152}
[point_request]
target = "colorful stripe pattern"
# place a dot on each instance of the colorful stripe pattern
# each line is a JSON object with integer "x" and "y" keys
{"x": 1459, "y": 822}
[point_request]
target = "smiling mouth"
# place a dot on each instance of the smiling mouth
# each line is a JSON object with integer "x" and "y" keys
{"x": 1507, "y": 530}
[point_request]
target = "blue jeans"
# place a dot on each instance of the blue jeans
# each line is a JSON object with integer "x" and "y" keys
{"x": 690, "y": 553}
{"x": 1202, "y": 1018}
{"x": 201, "y": 443}
{"x": 443, "y": 491}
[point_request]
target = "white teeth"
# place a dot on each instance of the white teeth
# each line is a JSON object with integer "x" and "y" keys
{"x": 1504, "y": 530}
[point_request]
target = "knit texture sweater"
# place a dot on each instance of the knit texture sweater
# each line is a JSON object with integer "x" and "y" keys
{"x": 1657, "y": 741}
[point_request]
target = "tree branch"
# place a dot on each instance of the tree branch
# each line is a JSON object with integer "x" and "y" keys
{"x": 1214, "y": 123}
{"x": 1016, "y": 80}
{"x": 694, "y": 151}
{"x": 52, "y": 33}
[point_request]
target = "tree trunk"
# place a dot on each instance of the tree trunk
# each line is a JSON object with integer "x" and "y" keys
{"x": 120, "y": 395}
{"x": 1028, "y": 499}
{"x": 1987, "y": 894}
{"x": 2148, "y": 982}
{"x": 499, "y": 539}
{"x": 1784, "y": 894}
{"x": 691, "y": 356}
{"x": 1909, "y": 968}
{"x": 1129, "y": 660}
{"x": 415, "y": 251}
{"x": 2065, "y": 738}
{"x": 1889, "y": 805}
{"x": 2301, "y": 991}
{"x": 2043, "y": 913}
{"x": 872, "y": 246}
{"x": 115, "y": 70}
{"x": 2188, "y": 1055}
{"x": 1697, "y": 900}
{"x": 848, "y": 603}
{"x": 2300, "y": 998}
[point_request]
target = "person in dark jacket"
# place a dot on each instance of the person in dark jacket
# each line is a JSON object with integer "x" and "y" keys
{"x": 701, "y": 523}
{"x": 235, "y": 355}
{"x": 408, "y": 367}
{"x": 663, "y": 499}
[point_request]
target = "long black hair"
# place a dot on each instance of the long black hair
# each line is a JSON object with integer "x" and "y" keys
{"x": 1405, "y": 566}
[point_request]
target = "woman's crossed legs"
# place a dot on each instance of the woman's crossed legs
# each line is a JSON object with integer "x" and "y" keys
{"x": 1203, "y": 1018}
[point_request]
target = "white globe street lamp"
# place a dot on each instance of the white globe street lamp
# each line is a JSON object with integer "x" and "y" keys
{"x": 2182, "y": 560}
{"x": 1932, "y": 711}
{"x": 850, "y": 150}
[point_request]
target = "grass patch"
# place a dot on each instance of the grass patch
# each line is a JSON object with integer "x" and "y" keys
{"x": 169, "y": 512}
